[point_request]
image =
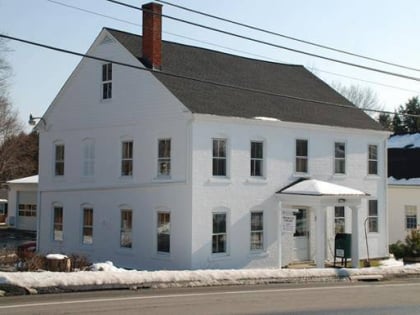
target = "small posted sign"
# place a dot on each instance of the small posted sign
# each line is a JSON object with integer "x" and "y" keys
{"x": 289, "y": 223}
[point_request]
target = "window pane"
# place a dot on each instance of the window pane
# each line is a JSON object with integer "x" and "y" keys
{"x": 373, "y": 167}
{"x": 301, "y": 165}
{"x": 256, "y": 221}
{"x": 257, "y": 150}
{"x": 219, "y": 223}
{"x": 58, "y": 224}
{"x": 164, "y": 157}
{"x": 301, "y": 148}
{"x": 373, "y": 152}
{"x": 340, "y": 150}
{"x": 164, "y": 229}
{"x": 126, "y": 228}
{"x": 164, "y": 148}
{"x": 340, "y": 166}
{"x": 219, "y": 167}
{"x": 373, "y": 207}
{"x": 219, "y": 243}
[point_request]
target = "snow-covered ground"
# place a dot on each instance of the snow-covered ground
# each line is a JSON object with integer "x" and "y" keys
{"x": 106, "y": 274}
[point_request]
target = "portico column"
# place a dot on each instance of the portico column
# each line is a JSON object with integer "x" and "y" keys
{"x": 355, "y": 257}
{"x": 320, "y": 229}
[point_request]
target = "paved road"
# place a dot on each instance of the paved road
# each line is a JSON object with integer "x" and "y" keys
{"x": 359, "y": 298}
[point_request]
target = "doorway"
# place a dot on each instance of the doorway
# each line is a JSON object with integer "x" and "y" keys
{"x": 301, "y": 236}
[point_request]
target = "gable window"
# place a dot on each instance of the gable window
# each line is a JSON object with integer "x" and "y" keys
{"x": 126, "y": 239}
{"x": 219, "y": 235}
{"x": 339, "y": 219}
{"x": 373, "y": 216}
{"x": 87, "y": 234}
{"x": 339, "y": 158}
{"x": 88, "y": 158}
{"x": 59, "y": 160}
{"x": 127, "y": 158}
{"x": 257, "y": 230}
{"x": 301, "y": 156}
{"x": 163, "y": 232}
{"x": 373, "y": 160}
{"x": 107, "y": 81}
{"x": 257, "y": 159}
{"x": 58, "y": 223}
{"x": 164, "y": 157}
{"x": 410, "y": 217}
{"x": 219, "y": 157}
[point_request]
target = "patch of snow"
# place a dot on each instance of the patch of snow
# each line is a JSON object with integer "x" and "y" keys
{"x": 391, "y": 262}
{"x": 56, "y": 256}
{"x": 404, "y": 182}
{"x": 266, "y": 118}
{"x": 316, "y": 187}
{"x": 404, "y": 141}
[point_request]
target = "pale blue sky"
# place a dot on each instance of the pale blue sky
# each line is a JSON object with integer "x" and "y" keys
{"x": 384, "y": 29}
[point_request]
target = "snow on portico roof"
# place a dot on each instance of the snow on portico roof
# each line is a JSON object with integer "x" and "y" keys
{"x": 314, "y": 187}
{"x": 407, "y": 141}
{"x": 24, "y": 180}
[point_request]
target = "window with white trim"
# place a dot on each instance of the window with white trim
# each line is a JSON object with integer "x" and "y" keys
{"x": 339, "y": 158}
{"x": 57, "y": 223}
{"x": 127, "y": 158}
{"x": 163, "y": 232}
{"x": 257, "y": 158}
{"x": 107, "y": 81}
{"x": 301, "y": 165}
{"x": 87, "y": 231}
{"x": 219, "y": 157}
{"x": 164, "y": 157}
{"x": 126, "y": 237}
{"x": 257, "y": 230}
{"x": 27, "y": 210}
{"x": 59, "y": 160}
{"x": 410, "y": 217}
{"x": 219, "y": 233}
{"x": 339, "y": 219}
{"x": 373, "y": 216}
{"x": 373, "y": 159}
{"x": 88, "y": 158}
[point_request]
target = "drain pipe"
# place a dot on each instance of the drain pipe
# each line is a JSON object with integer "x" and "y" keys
{"x": 367, "y": 262}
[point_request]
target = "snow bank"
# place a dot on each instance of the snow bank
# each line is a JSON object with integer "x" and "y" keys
{"x": 403, "y": 181}
{"x": 404, "y": 141}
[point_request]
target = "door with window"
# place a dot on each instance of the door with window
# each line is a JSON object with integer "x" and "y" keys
{"x": 301, "y": 236}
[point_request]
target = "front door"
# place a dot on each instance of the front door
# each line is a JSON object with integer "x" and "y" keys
{"x": 301, "y": 236}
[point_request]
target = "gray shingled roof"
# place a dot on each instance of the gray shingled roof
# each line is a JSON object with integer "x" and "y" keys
{"x": 229, "y": 69}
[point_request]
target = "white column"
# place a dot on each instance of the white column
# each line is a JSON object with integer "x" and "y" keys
{"x": 279, "y": 234}
{"x": 320, "y": 228}
{"x": 355, "y": 235}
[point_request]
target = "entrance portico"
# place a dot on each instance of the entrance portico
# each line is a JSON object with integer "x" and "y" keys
{"x": 317, "y": 196}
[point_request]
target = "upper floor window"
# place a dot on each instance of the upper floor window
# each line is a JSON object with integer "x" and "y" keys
{"x": 58, "y": 223}
{"x": 164, "y": 157}
{"x": 107, "y": 81}
{"x": 257, "y": 230}
{"x": 339, "y": 220}
{"x": 127, "y": 158}
{"x": 339, "y": 158}
{"x": 410, "y": 217}
{"x": 87, "y": 231}
{"x": 373, "y": 160}
{"x": 219, "y": 157}
{"x": 219, "y": 235}
{"x": 301, "y": 165}
{"x": 88, "y": 157}
{"x": 126, "y": 238}
{"x": 59, "y": 160}
{"x": 257, "y": 158}
{"x": 373, "y": 216}
{"x": 163, "y": 232}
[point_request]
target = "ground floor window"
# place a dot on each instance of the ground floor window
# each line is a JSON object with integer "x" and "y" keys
{"x": 163, "y": 232}
{"x": 219, "y": 235}
{"x": 58, "y": 223}
{"x": 257, "y": 230}
{"x": 87, "y": 226}
{"x": 126, "y": 239}
{"x": 27, "y": 210}
{"x": 410, "y": 217}
{"x": 373, "y": 216}
{"x": 339, "y": 220}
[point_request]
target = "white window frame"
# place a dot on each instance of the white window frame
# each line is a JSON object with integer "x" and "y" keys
{"x": 127, "y": 155}
{"x": 256, "y": 243}
{"x": 410, "y": 213}
{"x": 106, "y": 85}
{"x": 341, "y": 160}
{"x": 218, "y": 157}
{"x": 126, "y": 228}
{"x": 255, "y": 159}
{"x": 26, "y": 210}
{"x": 373, "y": 159}
{"x": 302, "y": 158}
{"x": 219, "y": 234}
{"x": 57, "y": 233}
{"x": 164, "y": 157}
{"x": 339, "y": 219}
{"x": 59, "y": 159}
{"x": 163, "y": 229}
{"x": 373, "y": 216}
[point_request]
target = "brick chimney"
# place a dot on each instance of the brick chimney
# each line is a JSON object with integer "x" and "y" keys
{"x": 152, "y": 35}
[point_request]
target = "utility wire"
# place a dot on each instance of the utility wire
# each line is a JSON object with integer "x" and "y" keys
{"x": 271, "y": 44}
{"x": 215, "y": 83}
{"x": 255, "y": 28}
{"x": 225, "y": 47}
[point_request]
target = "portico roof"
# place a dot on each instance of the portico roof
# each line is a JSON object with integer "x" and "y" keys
{"x": 314, "y": 187}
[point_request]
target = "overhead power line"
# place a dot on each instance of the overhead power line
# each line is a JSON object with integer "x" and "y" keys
{"x": 255, "y": 28}
{"x": 210, "y": 82}
{"x": 225, "y": 47}
{"x": 273, "y": 45}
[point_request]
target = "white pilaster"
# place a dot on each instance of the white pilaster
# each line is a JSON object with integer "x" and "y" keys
{"x": 320, "y": 236}
{"x": 355, "y": 256}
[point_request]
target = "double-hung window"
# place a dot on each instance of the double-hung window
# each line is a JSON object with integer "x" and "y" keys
{"x": 58, "y": 223}
{"x": 339, "y": 158}
{"x": 373, "y": 216}
{"x": 219, "y": 157}
{"x": 301, "y": 165}
{"x": 107, "y": 81}
{"x": 257, "y": 158}
{"x": 163, "y": 232}
{"x": 87, "y": 233}
{"x": 59, "y": 160}
{"x": 373, "y": 159}
{"x": 88, "y": 158}
{"x": 127, "y": 158}
{"x": 164, "y": 157}
{"x": 339, "y": 220}
{"x": 126, "y": 239}
{"x": 257, "y": 230}
{"x": 219, "y": 235}
{"x": 410, "y": 217}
